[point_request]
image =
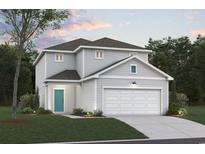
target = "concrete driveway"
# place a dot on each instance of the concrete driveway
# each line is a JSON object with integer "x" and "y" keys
{"x": 164, "y": 127}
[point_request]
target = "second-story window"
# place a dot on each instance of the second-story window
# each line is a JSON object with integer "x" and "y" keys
{"x": 59, "y": 57}
{"x": 99, "y": 54}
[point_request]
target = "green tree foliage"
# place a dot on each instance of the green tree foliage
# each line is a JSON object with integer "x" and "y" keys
{"x": 24, "y": 25}
{"x": 7, "y": 70}
{"x": 183, "y": 60}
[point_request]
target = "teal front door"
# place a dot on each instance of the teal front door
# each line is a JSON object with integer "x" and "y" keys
{"x": 58, "y": 100}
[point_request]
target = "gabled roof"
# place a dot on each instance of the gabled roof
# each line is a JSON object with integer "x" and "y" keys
{"x": 108, "y": 42}
{"x": 66, "y": 75}
{"x": 70, "y": 46}
{"x": 63, "y": 76}
{"x": 103, "y": 42}
{"x": 129, "y": 58}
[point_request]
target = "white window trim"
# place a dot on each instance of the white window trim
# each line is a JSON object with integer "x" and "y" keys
{"x": 57, "y": 61}
{"x": 131, "y": 68}
{"x": 96, "y": 54}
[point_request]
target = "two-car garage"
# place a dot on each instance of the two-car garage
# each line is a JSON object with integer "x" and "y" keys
{"x": 127, "y": 101}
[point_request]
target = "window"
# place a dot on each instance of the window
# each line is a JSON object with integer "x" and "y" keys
{"x": 99, "y": 54}
{"x": 133, "y": 69}
{"x": 58, "y": 57}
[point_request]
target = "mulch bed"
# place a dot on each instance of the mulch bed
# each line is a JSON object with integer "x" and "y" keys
{"x": 14, "y": 121}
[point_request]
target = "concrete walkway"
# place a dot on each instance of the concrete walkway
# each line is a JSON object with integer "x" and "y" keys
{"x": 164, "y": 127}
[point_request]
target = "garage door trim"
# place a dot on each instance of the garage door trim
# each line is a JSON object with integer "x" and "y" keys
{"x": 134, "y": 88}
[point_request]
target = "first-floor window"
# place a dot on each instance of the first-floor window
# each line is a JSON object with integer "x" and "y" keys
{"x": 133, "y": 69}
{"x": 59, "y": 57}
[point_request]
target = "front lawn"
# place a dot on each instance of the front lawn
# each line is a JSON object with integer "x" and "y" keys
{"x": 56, "y": 128}
{"x": 196, "y": 113}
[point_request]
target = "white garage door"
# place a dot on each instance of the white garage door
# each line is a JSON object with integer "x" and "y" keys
{"x": 131, "y": 101}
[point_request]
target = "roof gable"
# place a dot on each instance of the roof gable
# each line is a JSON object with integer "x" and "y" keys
{"x": 128, "y": 59}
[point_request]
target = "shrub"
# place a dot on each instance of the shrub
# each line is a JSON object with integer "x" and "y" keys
{"x": 43, "y": 111}
{"x": 98, "y": 113}
{"x": 182, "y": 111}
{"x": 173, "y": 108}
{"x": 89, "y": 113}
{"x": 78, "y": 111}
{"x": 27, "y": 110}
{"x": 183, "y": 99}
{"x": 29, "y": 100}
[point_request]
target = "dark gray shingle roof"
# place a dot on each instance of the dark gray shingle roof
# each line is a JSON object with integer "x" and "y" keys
{"x": 103, "y": 42}
{"x": 66, "y": 75}
{"x": 72, "y": 45}
{"x": 108, "y": 42}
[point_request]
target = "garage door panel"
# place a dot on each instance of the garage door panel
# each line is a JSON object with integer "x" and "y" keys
{"x": 131, "y": 101}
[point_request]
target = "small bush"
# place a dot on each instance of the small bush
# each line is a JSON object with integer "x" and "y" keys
{"x": 182, "y": 111}
{"x": 29, "y": 100}
{"x": 98, "y": 113}
{"x": 27, "y": 110}
{"x": 78, "y": 111}
{"x": 90, "y": 113}
{"x": 173, "y": 108}
{"x": 43, "y": 111}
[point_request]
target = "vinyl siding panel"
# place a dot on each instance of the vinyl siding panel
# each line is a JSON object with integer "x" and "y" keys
{"x": 86, "y": 94}
{"x": 56, "y": 67}
{"x": 39, "y": 80}
{"x": 142, "y": 70}
{"x": 70, "y": 96}
{"x": 126, "y": 83}
{"x": 110, "y": 56}
{"x": 143, "y": 56}
{"x": 79, "y": 63}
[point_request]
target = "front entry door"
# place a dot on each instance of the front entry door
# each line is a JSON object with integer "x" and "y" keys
{"x": 59, "y": 100}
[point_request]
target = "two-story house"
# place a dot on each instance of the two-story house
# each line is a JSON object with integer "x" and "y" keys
{"x": 104, "y": 74}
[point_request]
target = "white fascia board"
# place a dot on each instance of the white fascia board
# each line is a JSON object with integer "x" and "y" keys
{"x": 71, "y": 81}
{"x": 112, "y": 48}
{"x": 53, "y": 51}
{"x": 146, "y": 63}
{"x": 38, "y": 58}
{"x": 53, "y": 80}
{"x": 59, "y": 51}
{"x": 156, "y": 69}
{"x": 89, "y": 47}
{"x": 130, "y": 77}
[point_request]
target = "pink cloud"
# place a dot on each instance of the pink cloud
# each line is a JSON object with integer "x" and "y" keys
{"x": 190, "y": 17}
{"x": 84, "y": 25}
{"x": 196, "y": 32}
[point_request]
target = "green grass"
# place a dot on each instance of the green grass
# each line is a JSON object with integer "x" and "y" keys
{"x": 196, "y": 113}
{"x": 56, "y": 128}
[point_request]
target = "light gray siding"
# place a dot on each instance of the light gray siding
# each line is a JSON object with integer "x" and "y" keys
{"x": 39, "y": 81}
{"x": 126, "y": 83}
{"x": 142, "y": 70}
{"x": 79, "y": 63}
{"x": 69, "y": 95}
{"x": 87, "y": 99}
{"x": 92, "y": 65}
{"x": 56, "y": 67}
{"x": 110, "y": 56}
{"x": 141, "y": 55}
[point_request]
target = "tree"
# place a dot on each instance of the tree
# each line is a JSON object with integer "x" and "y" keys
{"x": 8, "y": 60}
{"x": 24, "y": 25}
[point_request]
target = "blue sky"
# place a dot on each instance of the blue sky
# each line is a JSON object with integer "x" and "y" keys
{"x": 133, "y": 26}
